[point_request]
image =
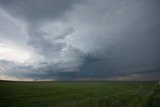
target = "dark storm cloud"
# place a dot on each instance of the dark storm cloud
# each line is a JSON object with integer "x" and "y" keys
{"x": 136, "y": 45}
{"x": 90, "y": 39}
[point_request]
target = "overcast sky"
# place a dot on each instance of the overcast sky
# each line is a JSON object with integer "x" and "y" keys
{"x": 80, "y": 39}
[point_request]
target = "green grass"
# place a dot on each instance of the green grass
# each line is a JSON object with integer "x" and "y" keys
{"x": 79, "y": 94}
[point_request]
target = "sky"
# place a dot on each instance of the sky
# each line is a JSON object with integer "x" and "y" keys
{"x": 114, "y": 40}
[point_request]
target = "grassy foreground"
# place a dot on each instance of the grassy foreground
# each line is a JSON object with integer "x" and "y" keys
{"x": 79, "y": 94}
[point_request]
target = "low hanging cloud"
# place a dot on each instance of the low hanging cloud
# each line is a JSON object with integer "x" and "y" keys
{"x": 83, "y": 40}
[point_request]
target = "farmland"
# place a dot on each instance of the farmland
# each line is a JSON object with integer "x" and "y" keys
{"x": 79, "y": 94}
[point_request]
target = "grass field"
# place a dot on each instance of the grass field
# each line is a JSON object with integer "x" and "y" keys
{"x": 79, "y": 94}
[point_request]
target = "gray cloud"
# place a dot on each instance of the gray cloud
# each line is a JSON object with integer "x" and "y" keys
{"x": 89, "y": 39}
{"x": 38, "y": 10}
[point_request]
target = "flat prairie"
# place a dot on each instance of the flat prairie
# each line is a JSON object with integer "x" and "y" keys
{"x": 79, "y": 94}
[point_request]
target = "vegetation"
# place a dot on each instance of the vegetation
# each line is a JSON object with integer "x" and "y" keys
{"x": 79, "y": 94}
